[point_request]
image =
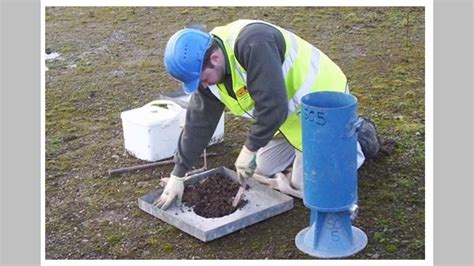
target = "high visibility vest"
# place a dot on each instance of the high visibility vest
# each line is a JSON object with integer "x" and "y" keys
{"x": 305, "y": 69}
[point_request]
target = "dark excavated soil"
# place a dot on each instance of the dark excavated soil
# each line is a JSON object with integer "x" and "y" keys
{"x": 212, "y": 197}
{"x": 387, "y": 147}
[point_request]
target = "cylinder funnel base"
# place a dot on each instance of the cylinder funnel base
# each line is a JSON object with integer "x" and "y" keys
{"x": 331, "y": 235}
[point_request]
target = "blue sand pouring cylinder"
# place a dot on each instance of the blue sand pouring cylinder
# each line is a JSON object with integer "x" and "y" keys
{"x": 330, "y": 175}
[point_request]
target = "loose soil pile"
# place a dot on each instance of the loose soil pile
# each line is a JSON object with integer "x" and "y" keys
{"x": 387, "y": 147}
{"x": 212, "y": 197}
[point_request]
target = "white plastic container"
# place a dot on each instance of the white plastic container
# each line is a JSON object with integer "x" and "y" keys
{"x": 151, "y": 132}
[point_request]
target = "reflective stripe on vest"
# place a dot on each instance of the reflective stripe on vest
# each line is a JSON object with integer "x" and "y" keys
{"x": 305, "y": 69}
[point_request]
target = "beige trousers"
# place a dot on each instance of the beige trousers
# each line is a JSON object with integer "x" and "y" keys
{"x": 280, "y": 166}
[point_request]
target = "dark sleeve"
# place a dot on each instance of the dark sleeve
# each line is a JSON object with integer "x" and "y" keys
{"x": 260, "y": 50}
{"x": 202, "y": 116}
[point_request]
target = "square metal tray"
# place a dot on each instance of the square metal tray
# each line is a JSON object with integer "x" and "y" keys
{"x": 263, "y": 203}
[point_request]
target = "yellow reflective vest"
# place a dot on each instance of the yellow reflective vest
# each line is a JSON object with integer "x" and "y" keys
{"x": 305, "y": 69}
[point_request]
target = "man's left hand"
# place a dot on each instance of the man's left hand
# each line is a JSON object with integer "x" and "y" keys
{"x": 245, "y": 164}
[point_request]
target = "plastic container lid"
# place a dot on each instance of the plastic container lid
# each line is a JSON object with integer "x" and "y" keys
{"x": 157, "y": 112}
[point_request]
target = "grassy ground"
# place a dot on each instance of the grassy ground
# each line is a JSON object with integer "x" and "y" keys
{"x": 111, "y": 61}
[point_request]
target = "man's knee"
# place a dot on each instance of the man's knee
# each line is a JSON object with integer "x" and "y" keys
{"x": 265, "y": 170}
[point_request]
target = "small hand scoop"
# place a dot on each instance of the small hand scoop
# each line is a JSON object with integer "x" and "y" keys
{"x": 238, "y": 196}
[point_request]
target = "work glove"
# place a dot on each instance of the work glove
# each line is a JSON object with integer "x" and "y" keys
{"x": 245, "y": 164}
{"x": 174, "y": 190}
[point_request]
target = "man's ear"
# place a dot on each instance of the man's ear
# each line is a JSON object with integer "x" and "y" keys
{"x": 214, "y": 59}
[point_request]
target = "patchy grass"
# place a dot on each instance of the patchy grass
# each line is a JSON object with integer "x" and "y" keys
{"x": 111, "y": 61}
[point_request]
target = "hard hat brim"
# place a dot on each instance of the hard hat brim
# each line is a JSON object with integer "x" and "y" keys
{"x": 191, "y": 87}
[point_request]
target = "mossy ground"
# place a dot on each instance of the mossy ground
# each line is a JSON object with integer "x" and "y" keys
{"x": 111, "y": 61}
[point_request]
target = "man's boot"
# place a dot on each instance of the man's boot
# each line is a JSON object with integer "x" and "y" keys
{"x": 367, "y": 137}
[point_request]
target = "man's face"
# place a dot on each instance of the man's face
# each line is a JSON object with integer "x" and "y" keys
{"x": 214, "y": 73}
{"x": 210, "y": 76}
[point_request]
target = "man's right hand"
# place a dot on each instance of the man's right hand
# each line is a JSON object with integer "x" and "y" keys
{"x": 174, "y": 190}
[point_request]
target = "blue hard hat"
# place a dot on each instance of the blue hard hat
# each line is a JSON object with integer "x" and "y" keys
{"x": 184, "y": 56}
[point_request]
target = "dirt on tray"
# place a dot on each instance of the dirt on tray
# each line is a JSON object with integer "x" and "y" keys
{"x": 212, "y": 197}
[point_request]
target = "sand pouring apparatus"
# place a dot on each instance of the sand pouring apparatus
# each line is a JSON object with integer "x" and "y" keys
{"x": 330, "y": 175}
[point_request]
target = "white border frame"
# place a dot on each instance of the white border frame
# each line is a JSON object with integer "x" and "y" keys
{"x": 428, "y": 123}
